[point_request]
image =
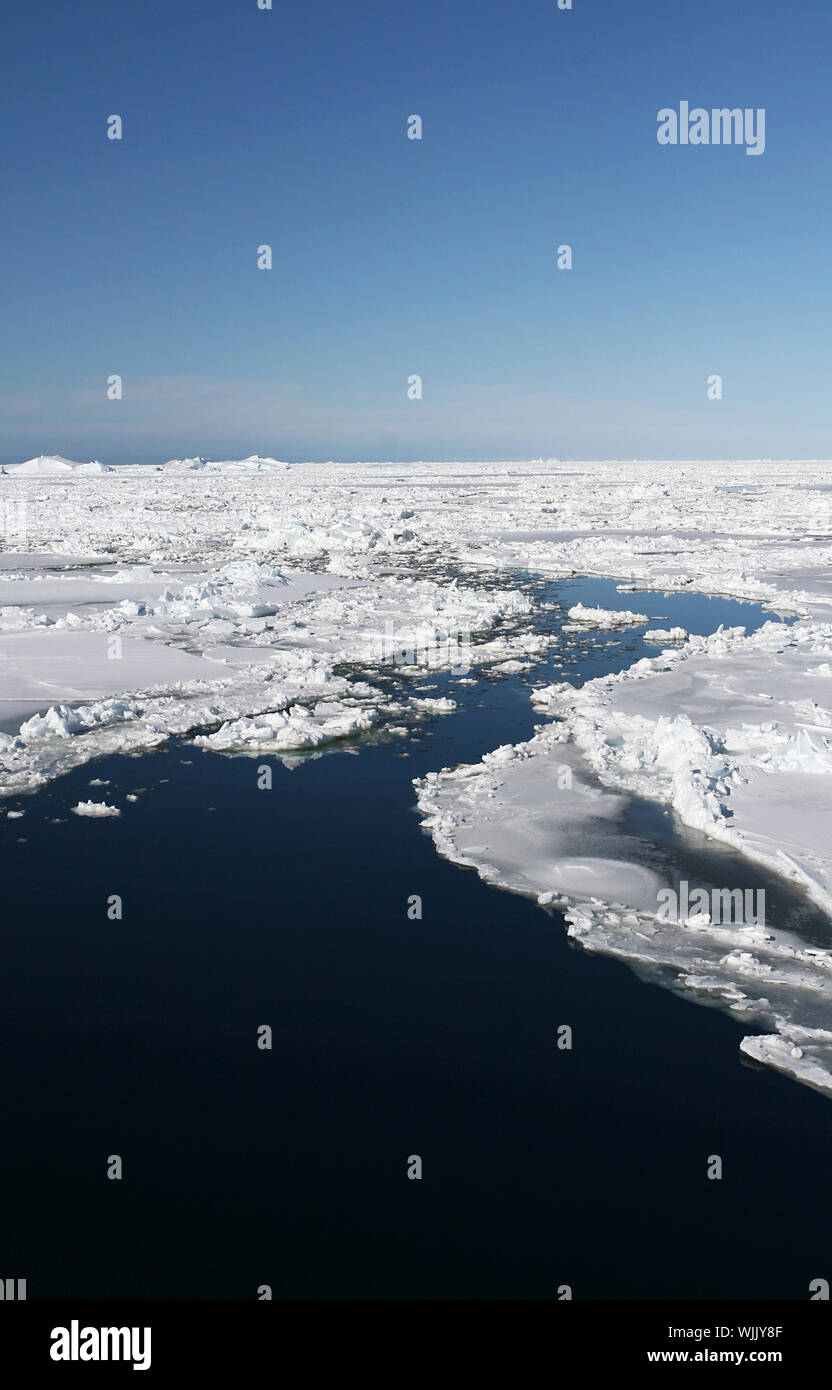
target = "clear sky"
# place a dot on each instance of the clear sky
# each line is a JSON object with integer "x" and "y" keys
{"x": 394, "y": 257}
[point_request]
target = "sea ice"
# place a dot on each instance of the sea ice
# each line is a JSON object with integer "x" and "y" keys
{"x": 248, "y": 604}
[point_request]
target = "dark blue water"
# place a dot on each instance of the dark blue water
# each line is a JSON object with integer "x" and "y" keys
{"x": 391, "y": 1038}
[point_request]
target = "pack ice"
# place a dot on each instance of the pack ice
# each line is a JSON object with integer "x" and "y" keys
{"x": 249, "y": 604}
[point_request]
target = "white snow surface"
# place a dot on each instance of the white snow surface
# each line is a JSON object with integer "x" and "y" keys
{"x": 249, "y": 603}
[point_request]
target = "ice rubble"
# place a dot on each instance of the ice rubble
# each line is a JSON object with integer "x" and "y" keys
{"x": 296, "y": 728}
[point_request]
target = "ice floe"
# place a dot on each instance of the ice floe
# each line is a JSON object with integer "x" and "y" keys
{"x": 664, "y": 637}
{"x": 604, "y": 617}
{"x": 295, "y": 728}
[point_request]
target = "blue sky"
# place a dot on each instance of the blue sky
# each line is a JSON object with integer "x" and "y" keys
{"x": 391, "y": 256}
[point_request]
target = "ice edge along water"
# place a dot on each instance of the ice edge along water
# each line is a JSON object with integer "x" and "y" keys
{"x": 195, "y": 568}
